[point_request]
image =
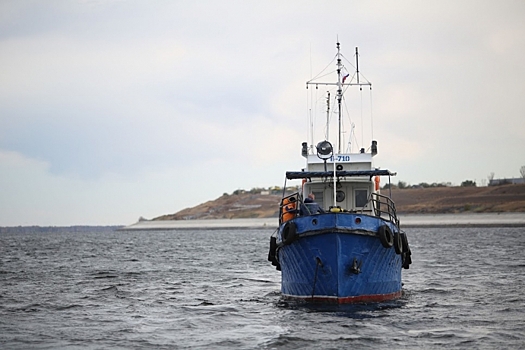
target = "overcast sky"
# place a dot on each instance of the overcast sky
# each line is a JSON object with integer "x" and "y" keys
{"x": 111, "y": 110}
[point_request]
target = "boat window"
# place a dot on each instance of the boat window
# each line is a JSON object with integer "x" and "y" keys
{"x": 319, "y": 198}
{"x": 361, "y": 198}
{"x": 340, "y": 196}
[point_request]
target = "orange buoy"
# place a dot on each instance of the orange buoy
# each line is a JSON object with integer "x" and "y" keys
{"x": 288, "y": 209}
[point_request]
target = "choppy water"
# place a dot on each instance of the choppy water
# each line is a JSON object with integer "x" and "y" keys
{"x": 214, "y": 289}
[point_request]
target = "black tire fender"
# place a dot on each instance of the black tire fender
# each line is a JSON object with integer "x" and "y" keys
{"x": 289, "y": 234}
{"x": 398, "y": 243}
{"x": 386, "y": 236}
{"x": 273, "y": 248}
{"x": 404, "y": 240}
{"x": 407, "y": 259}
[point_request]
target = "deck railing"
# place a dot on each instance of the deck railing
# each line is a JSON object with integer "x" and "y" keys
{"x": 378, "y": 205}
{"x": 383, "y": 207}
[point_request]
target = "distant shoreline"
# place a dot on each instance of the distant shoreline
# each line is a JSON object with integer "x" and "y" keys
{"x": 413, "y": 201}
{"x": 407, "y": 221}
{"x": 70, "y": 228}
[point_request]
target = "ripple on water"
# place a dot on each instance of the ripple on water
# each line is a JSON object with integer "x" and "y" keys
{"x": 215, "y": 289}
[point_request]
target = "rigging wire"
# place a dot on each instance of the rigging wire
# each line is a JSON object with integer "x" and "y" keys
{"x": 347, "y": 60}
{"x": 309, "y": 117}
{"x": 319, "y": 77}
{"x": 352, "y": 137}
{"x": 361, "y": 76}
{"x": 314, "y": 110}
{"x": 362, "y": 123}
{"x": 328, "y": 65}
{"x": 310, "y": 123}
{"x": 371, "y": 115}
{"x": 330, "y": 115}
{"x": 317, "y": 109}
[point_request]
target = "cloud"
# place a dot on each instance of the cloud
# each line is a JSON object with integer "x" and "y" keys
{"x": 152, "y": 107}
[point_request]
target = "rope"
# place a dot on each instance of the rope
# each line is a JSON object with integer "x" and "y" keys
{"x": 319, "y": 262}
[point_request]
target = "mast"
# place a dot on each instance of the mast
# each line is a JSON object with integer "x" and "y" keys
{"x": 357, "y": 65}
{"x": 342, "y": 75}
{"x": 340, "y": 83}
{"x": 339, "y": 97}
{"x": 328, "y": 115}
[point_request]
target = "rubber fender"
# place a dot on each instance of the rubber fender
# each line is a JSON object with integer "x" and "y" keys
{"x": 273, "y": 248}
{"x": 386, "y": 236}
{"x": 407, "y": 259}
{"x": 289, "y": 234}
{"x": 407, "y": 254}
{"x": 404, "y": 240}
{"x": 398, "y": 243}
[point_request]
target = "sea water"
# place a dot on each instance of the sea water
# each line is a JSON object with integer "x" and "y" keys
{"x": 213, "y": 289}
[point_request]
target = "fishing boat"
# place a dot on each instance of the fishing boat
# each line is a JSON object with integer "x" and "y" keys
{"x": 339, "y": 238}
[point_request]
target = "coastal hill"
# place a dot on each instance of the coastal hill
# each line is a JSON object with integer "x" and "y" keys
{"x": 432, "y": 200}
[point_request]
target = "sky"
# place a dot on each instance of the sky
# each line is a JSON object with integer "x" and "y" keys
{"x": 113, "y": 110}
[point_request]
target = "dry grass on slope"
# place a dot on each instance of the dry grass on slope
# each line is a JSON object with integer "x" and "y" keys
{"x": 507, "y": 198}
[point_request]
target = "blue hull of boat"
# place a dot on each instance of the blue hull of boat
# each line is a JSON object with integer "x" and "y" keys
{"x": 339, "y": 258}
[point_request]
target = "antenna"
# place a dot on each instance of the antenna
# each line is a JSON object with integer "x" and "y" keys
{"x": 357, "y": 66}
{"x": 327, "y": 115}
{"x": 339, "y": 95}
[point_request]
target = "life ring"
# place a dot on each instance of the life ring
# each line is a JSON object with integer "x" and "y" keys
{"x": 398, "y": 243}
{"x": 385, "y": 236}
{"x": 289, "y": 233}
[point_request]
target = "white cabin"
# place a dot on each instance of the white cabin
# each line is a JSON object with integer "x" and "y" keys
{"x": 352, "y": 193}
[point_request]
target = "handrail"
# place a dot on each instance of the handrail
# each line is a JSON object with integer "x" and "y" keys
{"x": 378, "y": 203}
{"x": 291, "y": 175}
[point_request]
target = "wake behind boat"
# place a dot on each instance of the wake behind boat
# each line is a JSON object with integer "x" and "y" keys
{"x": 339, "y": 239}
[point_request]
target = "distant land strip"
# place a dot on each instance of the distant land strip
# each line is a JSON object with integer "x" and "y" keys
{"x": 407, "y": 221}
{"x": 434, "y": 200}
{"x": 66, "y": 229}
